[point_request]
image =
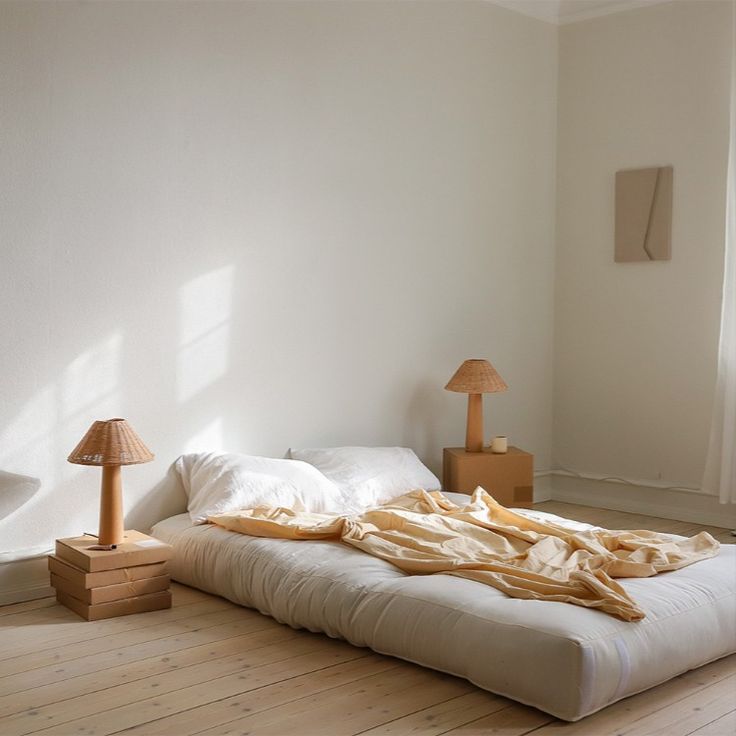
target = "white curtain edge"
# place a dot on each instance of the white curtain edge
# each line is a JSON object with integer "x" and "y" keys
{"x": 719, "y": 477}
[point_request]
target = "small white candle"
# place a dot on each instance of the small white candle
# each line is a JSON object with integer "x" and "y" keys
{"x": 500, "y": 445}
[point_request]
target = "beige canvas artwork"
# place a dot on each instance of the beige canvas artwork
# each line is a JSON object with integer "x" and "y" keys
{"x": 644, "y": 215}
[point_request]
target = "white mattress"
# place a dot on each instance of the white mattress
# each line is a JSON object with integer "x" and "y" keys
{"x": 564, "y": 659}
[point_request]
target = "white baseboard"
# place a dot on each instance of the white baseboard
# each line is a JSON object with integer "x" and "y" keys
{"x": 24, "y": 580}
{"x": 542, "y": 487}
{"x": 697, "y": 508}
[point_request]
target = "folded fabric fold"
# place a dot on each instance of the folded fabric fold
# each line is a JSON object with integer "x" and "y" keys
{"x": 425, "y": 533}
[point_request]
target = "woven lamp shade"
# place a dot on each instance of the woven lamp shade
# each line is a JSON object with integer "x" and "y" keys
{"x": 476, "y": 377}
{"x": 112, "y": 442}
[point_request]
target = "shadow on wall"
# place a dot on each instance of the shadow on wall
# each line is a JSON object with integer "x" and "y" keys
{"x": 15, "y": 491}
{"x": 165, "y": 499}
{"x": 424, "y": 406}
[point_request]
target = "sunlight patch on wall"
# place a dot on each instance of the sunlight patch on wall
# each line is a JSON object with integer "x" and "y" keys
{"x": 204, "y": 331}
{"x": 24, "y": 439}
{"x": 208, "y": 439}
{"x": 91, "y": 378}
{"x": 37, "y": 442}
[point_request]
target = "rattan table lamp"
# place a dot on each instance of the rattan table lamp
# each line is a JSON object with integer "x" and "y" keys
{"x": 111, "y": 443}
{"x": 475, "y": 378}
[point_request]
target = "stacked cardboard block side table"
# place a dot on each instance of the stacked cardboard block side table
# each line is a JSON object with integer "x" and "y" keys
{"x": 508, "y": 477}
{"x": 98, "y": 584}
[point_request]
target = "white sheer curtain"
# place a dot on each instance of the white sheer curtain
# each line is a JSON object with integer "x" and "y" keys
{"x": 720, "y": 469}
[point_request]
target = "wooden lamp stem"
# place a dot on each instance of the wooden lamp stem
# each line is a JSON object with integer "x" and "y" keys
{"x": 474, "y": 430}
{"x": 111, "y": 506}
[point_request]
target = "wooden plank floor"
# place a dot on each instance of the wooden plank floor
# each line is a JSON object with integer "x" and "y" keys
{"x": 207, "y": 666}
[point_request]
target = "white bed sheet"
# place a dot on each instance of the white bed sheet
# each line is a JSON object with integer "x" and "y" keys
{"x": 564, "y": 659}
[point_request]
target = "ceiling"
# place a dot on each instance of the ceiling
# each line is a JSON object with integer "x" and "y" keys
{"x": 569, "y": 11}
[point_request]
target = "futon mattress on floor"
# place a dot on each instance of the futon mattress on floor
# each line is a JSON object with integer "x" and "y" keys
{"x": 564, "y": 659}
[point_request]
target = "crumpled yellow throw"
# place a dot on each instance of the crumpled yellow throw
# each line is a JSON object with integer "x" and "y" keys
{"x": 424, "y": 533}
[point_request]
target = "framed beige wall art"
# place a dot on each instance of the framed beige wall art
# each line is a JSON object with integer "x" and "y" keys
{"x": 643, "y": 214}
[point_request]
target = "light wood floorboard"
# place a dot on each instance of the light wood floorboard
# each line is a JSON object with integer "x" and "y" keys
{"x": 209, "y": 667}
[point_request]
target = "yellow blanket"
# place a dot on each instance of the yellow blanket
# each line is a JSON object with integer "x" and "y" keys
{"x": 423, "y": 533}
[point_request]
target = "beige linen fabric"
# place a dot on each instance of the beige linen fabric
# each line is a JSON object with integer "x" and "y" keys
{"x": 423, "y": 533}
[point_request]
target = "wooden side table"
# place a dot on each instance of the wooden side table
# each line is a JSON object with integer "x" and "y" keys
{"x": 508, "y": 477}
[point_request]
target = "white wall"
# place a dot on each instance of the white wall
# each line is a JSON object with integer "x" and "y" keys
{"x": 256, "y": 225}
{"x": 636, "y": 343}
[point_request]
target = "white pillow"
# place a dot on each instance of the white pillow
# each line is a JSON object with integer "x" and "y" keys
{"x": 369, "y": 476}
{"x": 219, "y": 483}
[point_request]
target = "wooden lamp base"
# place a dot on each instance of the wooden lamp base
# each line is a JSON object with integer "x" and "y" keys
{"x": 111, "y": 507}
{"x": 474, "y": 429}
